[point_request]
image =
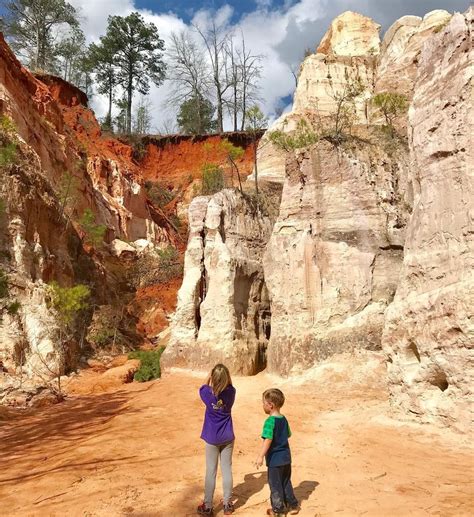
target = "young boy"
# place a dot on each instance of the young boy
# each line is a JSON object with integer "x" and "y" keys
{"x": 276, "y": 450}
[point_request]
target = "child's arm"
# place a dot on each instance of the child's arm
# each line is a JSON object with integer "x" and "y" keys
{"x": 265, "y": 447}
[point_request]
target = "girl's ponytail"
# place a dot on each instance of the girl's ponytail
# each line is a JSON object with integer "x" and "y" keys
{"x": 220, "y": 379}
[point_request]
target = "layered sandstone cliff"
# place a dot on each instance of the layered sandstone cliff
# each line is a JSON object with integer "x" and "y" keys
{"x": 348, "y": 52}
{"x": 49, "y": 137}
{"x": 351, "y": 50}
{"x": 373, "y": 243}
{"x": 332, "y": 262}
{"x": 429, "y": 332}
{"x": 223, "y": 311}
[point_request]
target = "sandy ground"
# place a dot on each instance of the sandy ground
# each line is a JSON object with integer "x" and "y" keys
{"x": 137, "y": 451}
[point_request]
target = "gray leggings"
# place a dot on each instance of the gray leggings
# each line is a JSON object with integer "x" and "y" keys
{"x": 213, "y": 452}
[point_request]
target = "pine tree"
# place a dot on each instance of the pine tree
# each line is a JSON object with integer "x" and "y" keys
{"x": 101, "y": 59}
{"x": 137, "y": 50}
{"x": 195, "y": 116}
{"x": 30, "y": 25}
{"x": 73, "y": 64}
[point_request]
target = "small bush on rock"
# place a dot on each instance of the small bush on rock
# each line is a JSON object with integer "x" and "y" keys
{"x": 7, "y": 125}
{"x": 212, "y": 179}
{"x": 391, "y": 105}
{"x": 159, "y": 193}
{"x": 94, "y": 233}
{"x": 149, "y": 364}
{"x": 8, "y": 154}
{"x": 68, "y": 302}
{"x": 13, "y": 307}
{"x": 304, "y": 136}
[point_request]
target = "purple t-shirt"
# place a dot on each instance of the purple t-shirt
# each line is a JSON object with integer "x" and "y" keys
{"x": 217, "y": 427}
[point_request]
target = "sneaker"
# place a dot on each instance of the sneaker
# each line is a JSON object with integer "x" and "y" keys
{"x": 274, "y": 514}
{"x": 202, "y": 509}
{"x": 294, "y": 510}
{"x": 229, "y": 509}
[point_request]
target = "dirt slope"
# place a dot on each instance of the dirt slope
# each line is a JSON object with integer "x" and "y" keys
{"x": 137, "y": 451}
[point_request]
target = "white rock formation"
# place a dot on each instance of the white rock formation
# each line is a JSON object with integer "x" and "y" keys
{"x": 223, "y": 306}
{"x": 400, "y": 51}
{"x": 351, "y": 34}
{"x": 429, "y": 332}
{"x": 332, "y": 260}
{"x": 374, "y": 243}
{"x": 347, "y": 53}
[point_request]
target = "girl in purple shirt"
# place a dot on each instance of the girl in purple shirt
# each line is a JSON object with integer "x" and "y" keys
{"x": 218, "y": 395}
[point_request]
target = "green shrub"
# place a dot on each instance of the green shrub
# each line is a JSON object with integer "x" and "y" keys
{"x": 7, "y": 154}
{"x": 13, "y": 307}
{"x": 3, "y": 284}
{"x": 159, "y": 193}
{"x": 149, "y": 364}
{"x": 7, "y": 125}
{"x": 94, "y": 233}
{"x": 391, "y": 105}
{"x": 304, "y": 136}
{"x": 68, "y": 301}
{"x": 102, "y": 337}
{"x": 212, "y": 179}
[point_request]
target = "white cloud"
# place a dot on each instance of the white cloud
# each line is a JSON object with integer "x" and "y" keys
{"x": 263, "y": 29}
{"x": 94, "y": 14}
{"x": 280, "y": 34}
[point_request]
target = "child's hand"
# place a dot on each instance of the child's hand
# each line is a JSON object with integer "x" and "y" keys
{"x": 259, "y": 462}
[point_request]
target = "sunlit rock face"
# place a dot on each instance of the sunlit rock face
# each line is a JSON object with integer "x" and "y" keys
{"x": 401, "y": 48}
{"x": 429, "y": 333}
{"x": 373, "y": 245}
{"x": 351, "y": 34}
{"x": 331, "y": 266}
{"x": 348, "y": 52}
{"x": 223, "y": 312}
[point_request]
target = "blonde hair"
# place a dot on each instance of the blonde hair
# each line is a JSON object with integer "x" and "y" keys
{"x": 220, "y": 379}
{"x": 275, "y": 396}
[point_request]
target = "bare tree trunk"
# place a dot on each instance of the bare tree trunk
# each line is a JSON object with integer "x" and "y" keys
{"x": 38, "y": 39}
{"x": 111, "y": 100}
{"x": 255, "y": 164}
{"x": 129, "y": 103}
{"x": 235, "y": 108}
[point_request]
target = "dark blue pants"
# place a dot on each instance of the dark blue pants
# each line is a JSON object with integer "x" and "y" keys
{"x": 281, "y": 489}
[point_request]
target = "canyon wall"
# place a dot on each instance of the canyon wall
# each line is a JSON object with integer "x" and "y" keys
{"x": 332, "y": 261}
{"x": 372, "y": 246}
{"x": 223, "y": 311}
{"x": 51, "y": 141}
{"x": 56, "y": 164}
{"x": 429, "y": 332}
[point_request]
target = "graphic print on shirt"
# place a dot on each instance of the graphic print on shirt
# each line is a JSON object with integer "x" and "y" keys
{"x": 219, "y": 405}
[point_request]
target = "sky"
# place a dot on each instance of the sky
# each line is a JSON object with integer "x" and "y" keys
{"x": 280, "y": 30}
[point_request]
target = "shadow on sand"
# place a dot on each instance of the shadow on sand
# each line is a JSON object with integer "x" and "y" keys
{"x": 256, "y": 481}
{"x": 45, "y": 434}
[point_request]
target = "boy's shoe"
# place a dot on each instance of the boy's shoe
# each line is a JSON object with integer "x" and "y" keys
{"x": 294, "y": 510}
{"x": 202, "y": 509}
{"x": 229, "y": 509}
